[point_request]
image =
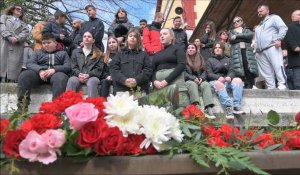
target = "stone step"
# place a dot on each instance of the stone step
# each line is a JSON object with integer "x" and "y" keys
{"x": 255, "y": 102}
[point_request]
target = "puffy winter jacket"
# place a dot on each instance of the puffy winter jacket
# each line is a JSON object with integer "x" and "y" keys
{"x": 151, "y": 38}
{"x": 189, "y": 74}
{"x": 219, "y": 66}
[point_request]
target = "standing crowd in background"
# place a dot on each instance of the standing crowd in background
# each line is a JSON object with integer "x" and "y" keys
{"x": 149, "y": 58}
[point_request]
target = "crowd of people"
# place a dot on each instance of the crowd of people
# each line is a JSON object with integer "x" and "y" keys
{"x": 149, "y": 57}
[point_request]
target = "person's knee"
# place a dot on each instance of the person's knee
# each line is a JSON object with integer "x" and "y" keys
{"x": 93, "y": 81}
{"x": 219, "y": 85}
{"x": 237, "y": 81}
{"x": 60, "y": 78}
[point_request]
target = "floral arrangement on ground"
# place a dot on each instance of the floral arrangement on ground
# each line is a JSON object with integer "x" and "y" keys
{"x": 118, "y": 125}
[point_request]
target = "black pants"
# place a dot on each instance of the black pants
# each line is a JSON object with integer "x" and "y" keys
{"x": 249, "y": 77}
{"x": 29, "y": 79}
{"x": 104, "y": 88}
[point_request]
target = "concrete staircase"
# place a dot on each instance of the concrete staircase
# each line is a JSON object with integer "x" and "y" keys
{"x": 256, "y": 103}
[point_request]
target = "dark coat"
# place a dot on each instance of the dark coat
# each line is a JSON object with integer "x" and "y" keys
{"x": 119, "y": 29}
{"x": 181, "y": 38}
{"x": 56, "y": 29}
{"x": 191, "y": 75}
{"x": 206, "y": 51}
{"x": 96, "y": 27}
{"x": 59, "y": 60}
{"x": 130, "y": 64}
{"x": 292, "y": 39}
{"x": 217, "y": 67}
{"x": 84, "y": 64}
{"x": 236, "y": 55}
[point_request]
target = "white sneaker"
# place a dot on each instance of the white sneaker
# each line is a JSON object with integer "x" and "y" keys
{"x": 254, "y": 87}
{"x": 282, "y": 87}
{"x": 210, "y": 116}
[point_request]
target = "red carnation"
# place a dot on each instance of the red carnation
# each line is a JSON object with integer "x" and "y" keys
{"x": 291, "y": 140}
{"x": 98, "y": 102}
{"x": 4, "y": 126}
{"x": 111, "y": 141}
{"x": 91, "y": 133}
{"x": 217, "y": 141}
{"x": 42, "y": 122}
{"x": 297, "y": 118}
{"x": 226, "y": 130}
{"x": 12, "y": 142}
{"x": 131, "y": 145}
{"x": 49, "y": 108}
{"x": 67, "y": 99}
{"x": 210, "y": 131}
{"x": 26, "y": 126}
{"x": 265, "y": 139}
{"x": 192, "y": 111}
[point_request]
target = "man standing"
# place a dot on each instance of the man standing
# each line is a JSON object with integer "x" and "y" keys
{"x": 151, "y": 35}
{"x": 180, "y": 35}
{"x": 269, "y": 33}
{"x": 94, "y": 25}
{"x": 143, "y": 24}
{"x": 293, "y": 46}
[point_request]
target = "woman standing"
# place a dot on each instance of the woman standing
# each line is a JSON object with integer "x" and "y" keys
{"x": 197, "y": 42}
{"x": 244, "y": 62}
{"x": 208, "y": 39}
{"x": 195, "y": 77}
{"x": 87, "y": 66}
{"x": 112, "y": 49}
{"x": 223, "y": 38}
{"x": 131, "y": 68}
{"x": 14, "y": 32}
{"x": 221, "y": 75}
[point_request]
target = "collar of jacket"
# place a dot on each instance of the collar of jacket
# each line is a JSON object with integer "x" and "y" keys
{"x": 93, "y": 19}
{"x": 134, "y": 51}
{"x": 156, "y": 24}
{"x": 49, "y": 52}
{"x": 81, "y": 51}
{"x": 218, "y": 57}
{"x": 177, "y": 30}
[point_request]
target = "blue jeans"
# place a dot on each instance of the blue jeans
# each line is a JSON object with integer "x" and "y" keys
{"x": 237, "y": 91}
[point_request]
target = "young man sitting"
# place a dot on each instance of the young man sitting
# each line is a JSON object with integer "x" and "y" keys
{"x": 47, "y": 65}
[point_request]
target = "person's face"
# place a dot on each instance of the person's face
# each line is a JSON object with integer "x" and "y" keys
{"x": 121, "y": 14}
{"x": 224, "y": 36}
{"x": 132, "y": 40}
{"x": 207, "y": 28}
{"x": 62, "y": 20}
{"x": 165, "y": 37}
{"x": 160, "y": 19}
{"x": 191, "y": 50}
{"x": 237, "y": 23}
{"x": 76, "y": 24}
{"x": 177, "y": 23}
{"x": 91, "y": 12}
{"x": 112, "y": 45}
{"x": 263, "y": 12}
{"x": 296, "y": 17}
{"x": 18, "y": 11}
{"x": 143, "y": 25}
{"x": 49, "y": 45}
{"x": 218, "y": 50}
{"x": 197, "y": 42}
{"x": 88, "y": 38}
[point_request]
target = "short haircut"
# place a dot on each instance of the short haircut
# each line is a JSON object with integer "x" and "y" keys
{"x": 143, "y": 20}
{"x": 176, "y": 17}
{"x": 48, "y": 36}
{"x": 157, "y": 14}
{"x": 263, "y": 5}
{"x": 59, "y": 13}
{"x": 90, "y": 5}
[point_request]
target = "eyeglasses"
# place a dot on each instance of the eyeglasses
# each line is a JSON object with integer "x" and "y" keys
{"x": 237, "y": 21}
{"x": 19, "y": 9}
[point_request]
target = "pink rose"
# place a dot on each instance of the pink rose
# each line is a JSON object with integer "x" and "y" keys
{"x": 54, "y": 138}
{"x": 35, "y": 148}
{"x": 80, "y": 114}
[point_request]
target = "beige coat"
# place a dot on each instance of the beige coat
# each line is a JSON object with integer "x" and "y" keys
{"x": 11, "y": 54}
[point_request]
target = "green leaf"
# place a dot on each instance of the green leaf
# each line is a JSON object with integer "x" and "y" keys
{"x": 273, "y": 117}
{"x": 273, "y": 147}
{"x": 186, "y": 131}
{"x": 193, "y": 127}
{"x": 198, "y": 136}
{"x": 199, "y": 159}
{"x": 256, "y": 135}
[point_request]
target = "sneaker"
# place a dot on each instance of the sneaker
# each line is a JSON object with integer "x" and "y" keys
{"x": 238, "y": 110}
{"x": 254, "y": 87}
{"x": 229, "y": 113}
{"x": 209, "y": 113}
{"x": 282, "y": 87}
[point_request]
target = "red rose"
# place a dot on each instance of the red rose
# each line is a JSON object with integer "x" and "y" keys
{"x": 42, "y": 122}
{"x": 91, "y": 133}
{"x": 297, "y": 118}
{"x": 194, "y": 112}
{"x": 4, "y": 126}
{"x": 217, "y": 141}
{"x": 266, "y": 140}
{"x": 26, "y": 126}
{"x": 98, "y": 102}
{"x": 226, "y": 130}
{"x": 67, "y": 99}
{"x": 110, "y": 142}
{"x": 210, "y": 131}
{"x": 151, "y": 150}
{"x": 291, "y": 140}
{"x": 131, "y": 145}
{"x": 12, "y": 141}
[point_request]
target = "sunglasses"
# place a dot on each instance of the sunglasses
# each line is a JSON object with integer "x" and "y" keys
{"x": 236, "y": 21}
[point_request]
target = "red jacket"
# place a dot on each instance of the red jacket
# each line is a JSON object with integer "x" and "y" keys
{"x": 151, "y": 38}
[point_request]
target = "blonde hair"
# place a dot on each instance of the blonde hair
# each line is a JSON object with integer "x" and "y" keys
{"x": 172, "y": 35}
{"x": 108, "y": 51}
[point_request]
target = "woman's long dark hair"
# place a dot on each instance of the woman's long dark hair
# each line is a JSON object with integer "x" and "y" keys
{"x": 197, "y": 63}
{"x": 212, "y": 34}
{"x": 117, "y": 20}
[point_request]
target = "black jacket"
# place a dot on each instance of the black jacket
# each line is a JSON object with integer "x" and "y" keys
{"x": 119, "y": 28}
{"x": 181, "y": 38}
{"x": 206, "y": 51}
{"x": 84, "y": 64}
{"x": 42, "y": 60}
{"x": 130, "y": 64}
{"x": 96, "y": 27}
{"x": 292, "y": 39}
{"x": 56, "y": 29}
{"x": 191, "y": 75}
{"x": 219, "y": 67}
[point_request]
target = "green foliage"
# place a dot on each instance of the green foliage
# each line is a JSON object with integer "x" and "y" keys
{"x": 273, "y": 117}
